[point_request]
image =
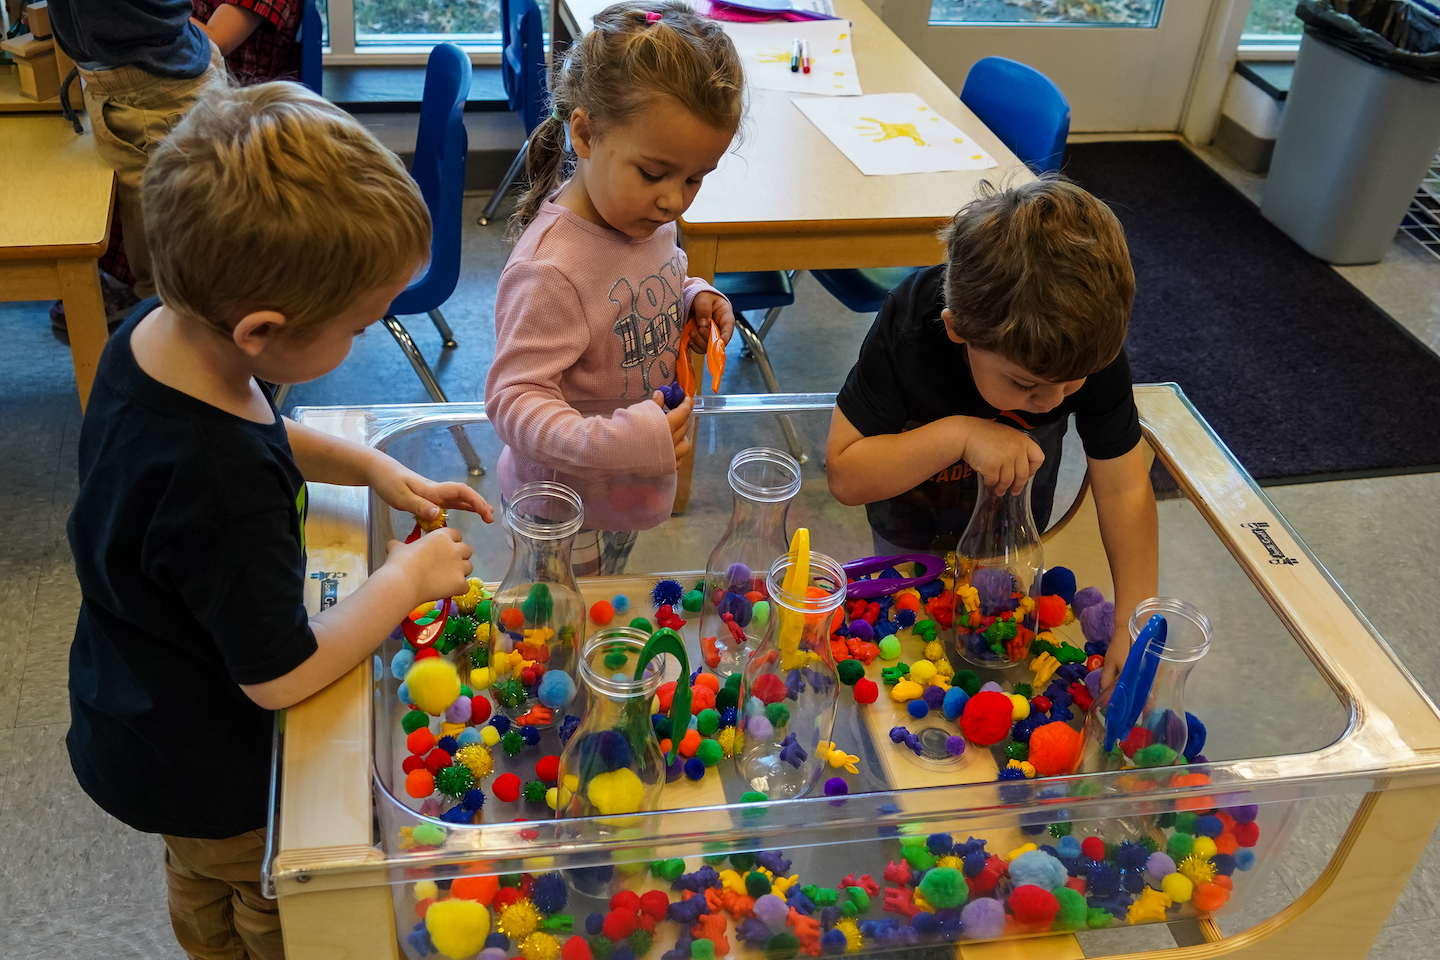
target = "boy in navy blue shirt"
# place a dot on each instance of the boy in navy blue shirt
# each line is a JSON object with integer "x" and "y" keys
{"x": 280, "y": 230}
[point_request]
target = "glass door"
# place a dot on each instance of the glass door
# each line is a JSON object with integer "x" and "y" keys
{"x": 1124, "y": 65}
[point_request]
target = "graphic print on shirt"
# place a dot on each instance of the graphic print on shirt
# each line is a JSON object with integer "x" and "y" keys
{"x": 647, "y": 321}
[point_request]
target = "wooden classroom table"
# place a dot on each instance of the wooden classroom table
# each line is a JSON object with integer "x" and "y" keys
{"x": 337, "y": 887}
{"x": 55, "y": 227}
{"x": 788, "y": 199}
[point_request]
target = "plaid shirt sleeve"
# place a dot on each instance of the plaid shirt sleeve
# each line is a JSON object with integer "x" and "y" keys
{"x": 272, "y": 52}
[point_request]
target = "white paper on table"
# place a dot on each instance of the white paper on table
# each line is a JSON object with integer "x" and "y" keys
{"x": 765, "y": 50}
{"x": 885, "y": 133}
{"x": 815, "y": 6}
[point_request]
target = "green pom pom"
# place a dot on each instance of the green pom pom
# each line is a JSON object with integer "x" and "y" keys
{"x": 461, "y": 628}
{"x": 967, "y": 680}
{"x": 1017, "y": 751}
{"x": 782, "y": 946}
{"x": 1146, "y": 841}
{"x": 756, "y": 884}
{"x": 1058, "y": 830}
{"x": 1155, "y": 755}
{"x": 714, "y": 859}
{"x": 945, "y": 888}
{"x": 640, "y": 942}
{"x": 850, "y": 671}
{"x": 640, "y": 623}
{"x": 752, "y": 796}
{"x": 1179, "y": 846}
{"x": 567, "y": 633}
{"x": 661, "y": 723}
{"x": 482, "y": 611}
{"x": 479, "y": 657}
{"x": 414, "y": 720}
{"x": 732, "y": 682}
{"x": 1185, "y": 822}
{"x": 742, "y": 862}
{"x": 691, "y": 602}
{"x": 511, "y": 880}
{"x": 709, "y": 752}
{"x": 889, "y": 648}
{"x": 455, "y": 781}
{"x": 615, "y": 659}
{"x": 701, "y": 949}
{"x": 1098, "y": 919}
{"x": 534, "y": 791}
{"x": 538, "y": 606}
{"x": 600, "y": 947}
{"x": 727, "y": 698}
{"x": 1025, "y": 690}
{"x": 760, "y": 613}
{"x": 510, "y": 693}
{"x": 1073, "y": 909}
{"x": 707, "y": 722}
{"x": 778, "y": 714}
{"x": 1165, "y": 821}
{"x": 512, "y": 743}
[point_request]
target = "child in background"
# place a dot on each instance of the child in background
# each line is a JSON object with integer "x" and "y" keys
{"x": 591, "y": 305}
{"x": 189, "y": 528}
{"x": 975, "y": 365}
{"x": 256, "y": 37}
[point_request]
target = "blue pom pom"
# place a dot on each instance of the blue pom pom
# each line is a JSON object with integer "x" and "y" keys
{"x": 905, "y": 618}
{"x": 1194, "y": 736}
{"x": 604, "y": 751}
{"x": 501, "y": 723}
{"x": 499, "y": 941}
{"x": 1032, "y": 829}
{"x": 1131, "y": 856}
{"x": 939, "y": 844}
{"x": 694, "y": 768}
{"x": 548, "y": 893}
{"x": 403, "y": 693}
{"x": 468, "y": 736}
{"x": 729, "y": 717}
{"x": 530, "y": 735}
{"x": 925, "y": 924}
{"x": 1102, "y": 881}
{"x": 666, "y": 591}
{"x": 448, "y": 744}
{"x": 738, "y": 606}
{"x": 918, "y": 708}
{"x": 474, "y": 799}
{"x": 621, "y": 603}
{"x": 1224, "y": 864}
{"x": 594, "y": 923}
{"x": 457, "y": 814}
{"x": 622, "y": 952}
{"x": 568, "y": 728}
{"x": 1244, "y": 859}
{"x": 1058, "y": 582}
{"x": 1208, "y": 826}
{"x": 401, "y": 664}
{"x": 1068, "y": 848}
{"x": 954, "y": 702}
{"x": 975, "y": 863}
{"x": 1132, "y": 880}
{"x": 556, "y": 689}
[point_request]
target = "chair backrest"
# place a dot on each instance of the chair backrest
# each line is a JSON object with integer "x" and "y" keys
{"x": 1022, "y": 107}
{"x": 311, "y": 34}
{"x": 439, "y": 170}
{"x": 522, "y": 61}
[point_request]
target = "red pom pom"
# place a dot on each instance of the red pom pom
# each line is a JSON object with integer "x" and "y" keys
{"x": 547, "y": 768}
{"x": 576, "y": 948}
{"x": 702, "y": 698}
{"x": 437, "y": 760}
{"x": 625, "y": 900}
{"x": 618, "y": 924}
{"x": 506, "y": 787}
{"x": 666, "y": 695}
{"x": 1055, "y": 749}
{"x": 420, "y": 741}
{"x": 645, "y": 922}
{"x": 602, "y": 612}
{"x": 1050, "y": 611}
{"x": 1031, "y": 904}
{"x": 512, "y": 619}
{"x": 866, "y": 690}
{"x": 987, "y": 718}
{"x": 423, "y": 906}
{"x": 506, "y": 896}
{"x": 1138, "y": 738}
{"x": 413, "y": 763}
{"x": 479, "y": 710}
{"x": 769, "y": 688}
{"x": 655, "y": 903}
{"x": 426, "y": 652}
{"x": 1247, "y": 834}
{"x": 1093, "y": 847}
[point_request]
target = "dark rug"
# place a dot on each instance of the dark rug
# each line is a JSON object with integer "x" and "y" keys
{"x": 1301, "y": 375}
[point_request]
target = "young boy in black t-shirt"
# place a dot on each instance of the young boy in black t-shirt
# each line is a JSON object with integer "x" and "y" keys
{"x": 280, "y": 229}
{"x": 975, "y": 365}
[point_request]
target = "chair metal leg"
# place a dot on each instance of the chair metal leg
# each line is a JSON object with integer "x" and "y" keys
{"x": 767, "y": 373}
{"x": 282, "y": 390}
{"x": 447, "y": 336}
{"x": 771, "y": 316}
{"x": 516, "y": 166}
{"x": 432, "y": 387}
{"x": 467, "y": 451}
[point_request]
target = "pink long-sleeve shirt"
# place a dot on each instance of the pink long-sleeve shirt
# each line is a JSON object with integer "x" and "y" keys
{"x": 587, "y": 327}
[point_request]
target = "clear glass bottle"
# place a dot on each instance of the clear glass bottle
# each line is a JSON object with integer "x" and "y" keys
{"x": 764, "y": 482}
{"x": 1158, "y": 736}
{"x": 789, "y": 691}
{"x": 537, "y": 610}
{"x": 1000, "y": 558}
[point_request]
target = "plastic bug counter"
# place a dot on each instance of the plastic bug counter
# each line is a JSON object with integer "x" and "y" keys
{"x": 1302, "y": 700}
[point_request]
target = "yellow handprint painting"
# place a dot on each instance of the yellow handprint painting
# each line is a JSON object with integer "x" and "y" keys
{"x": 765, "y": 49}
{"x": 879, "y": 130}
{"x": 893, "y": 133}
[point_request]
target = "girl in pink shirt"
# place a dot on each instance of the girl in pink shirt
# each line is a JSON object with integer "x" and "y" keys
{"x": 591, "y": 305}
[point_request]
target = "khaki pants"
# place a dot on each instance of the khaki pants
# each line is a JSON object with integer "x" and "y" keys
{"x": 216, "y": 908}
{"x": 131, "y": 110}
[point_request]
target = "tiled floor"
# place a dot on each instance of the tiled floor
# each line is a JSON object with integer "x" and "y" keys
{"x": 76, "y": 884}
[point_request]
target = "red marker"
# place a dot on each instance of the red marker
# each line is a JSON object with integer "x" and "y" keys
{"x": 805, "y": 54}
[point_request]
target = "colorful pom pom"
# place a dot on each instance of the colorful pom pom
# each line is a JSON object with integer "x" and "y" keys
{"x": 507, "y": 787}
{"x": 985, "y": 720}
{"x": 602, "y": 612}
{"x": 457, "y": 927}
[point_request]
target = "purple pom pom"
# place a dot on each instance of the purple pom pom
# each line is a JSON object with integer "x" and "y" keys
{"x": 984, "y": 919}
{"x": 861, "y": 630}
{"x": 675, "y": 769}
{"x": 1097, "y": 622}
{"x": 955, "y": 746}
{"x": 1245, "y": 813}
{"x": 836, "y": 787}
{"x": 739, "y": 579}
{"x": 1092, "y": 682}
{"x": 994, "y": 585}
{"x": 1086, "y": 598}
{"x": 738, "y": 606}
{"x": 934, "y": 696}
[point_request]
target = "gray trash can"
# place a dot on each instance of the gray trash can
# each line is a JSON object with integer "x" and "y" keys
{"x": 1356, "y": 140}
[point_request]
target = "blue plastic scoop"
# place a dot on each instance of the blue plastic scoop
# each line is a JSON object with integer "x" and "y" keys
{"x": 1133, "y": 688}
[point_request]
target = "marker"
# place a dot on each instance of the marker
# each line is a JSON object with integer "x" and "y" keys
{"x": 794, "y": 56}
{"x": 805, "y": 55}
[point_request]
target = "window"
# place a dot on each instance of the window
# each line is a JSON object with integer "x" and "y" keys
{"x": 403, "y": 30}
{"x": 1271, "y": 23}
{"x": 1099, "y": 13}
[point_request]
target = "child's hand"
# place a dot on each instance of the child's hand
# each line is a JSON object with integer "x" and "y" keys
{"x": 706, "y": 308}
{"x": 404, "y": 489}
{"x": 436, "y": 565}
{"x": 1115, "y": 655}
{"x": 679, "y": 420}
{"x": 1004, "y": 457}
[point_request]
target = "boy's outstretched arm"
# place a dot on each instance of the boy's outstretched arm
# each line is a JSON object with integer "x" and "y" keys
{"x": 432, "y": 567}
{"x": 1130, "y": 530}
{"x": 863, "y": 469}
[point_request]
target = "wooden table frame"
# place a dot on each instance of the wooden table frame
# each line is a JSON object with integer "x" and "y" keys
{"x": 332, "y": 882}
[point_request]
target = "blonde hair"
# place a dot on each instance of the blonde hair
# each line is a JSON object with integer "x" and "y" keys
{"x": 636, "y": 53}
{"x": 272, "y": 198}
{"x": 1040, "y": 273}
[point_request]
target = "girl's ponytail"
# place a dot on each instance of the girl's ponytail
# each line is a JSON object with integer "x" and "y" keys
{"x": 544, "y": 162}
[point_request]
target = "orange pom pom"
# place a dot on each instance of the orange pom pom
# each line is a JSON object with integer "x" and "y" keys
{"x": 420, "y": 740}
{"x": 420, "y": 784}
{"x": 1050, "y": 611}
{"x": 690, "y": 743}
{"x": 1226, "y": 843}
{"x": 1209, "y": 897}
{"x": 512, "y": 618}
{"x": 701, "y": 698}
{"x": 481, "y": 889}
{"x": 602, "y": 611}
{"x": 708, "y": 680}
{"x": 1054, "y": 749}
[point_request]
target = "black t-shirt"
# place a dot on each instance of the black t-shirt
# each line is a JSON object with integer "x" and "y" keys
{"x": 188, "y": 536}
{"x": 911, "y": 373}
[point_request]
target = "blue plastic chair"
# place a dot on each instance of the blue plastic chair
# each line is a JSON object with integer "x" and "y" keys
{"x": 522, "y": 67}
{"x": 1022, "y": 107}
{"x": 311, "y": 35}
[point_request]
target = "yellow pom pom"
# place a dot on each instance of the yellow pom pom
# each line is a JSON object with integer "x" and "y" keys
{"x": 434, "y": 684}
{"x": 1177, "y": 887}
{"x": 935, "y": 651}
{"x": 481, "y": 678}
{"x": 457, "y": 927}
{"x": 482, "y": 633}
{"x": 489, "y": 735}
{"x": 945, "y": 669}
{"x": 540, "y": 946}
{"x": 518, "y": 920}
{"x": 922, "y": 671}
{"x": 1021, "y": 708}
{"x": 477, "y": 759}
{"x": 1197, "y": 869}
{"x": 425, "y": 890}
{"x": 854, "y": 942}
{"x": 726, "y": 739}
{"x": 470, "y": 599}
{"x": 618, "y": 791}
{"x": 1204, "y": 848}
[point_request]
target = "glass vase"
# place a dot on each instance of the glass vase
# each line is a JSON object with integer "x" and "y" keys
{"x": 537, "y": 616}
{"x": 764, "y": 482}
{"x": 1160, "y": 731}
{"x": 999, "y": 562}
{"x": 789, "y": 688}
